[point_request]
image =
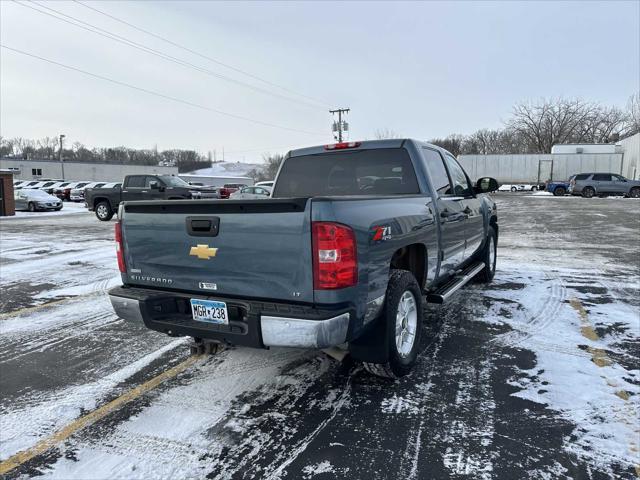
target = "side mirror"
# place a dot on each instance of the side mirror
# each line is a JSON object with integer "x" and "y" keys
{"x": 154, "y": 186}
{"x": 486, "y": 185}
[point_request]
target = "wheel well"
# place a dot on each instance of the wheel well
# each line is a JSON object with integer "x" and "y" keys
{"x": 493, "y": 221}
{"x": 96, "y": 201}
{"x": 412, "y": 258}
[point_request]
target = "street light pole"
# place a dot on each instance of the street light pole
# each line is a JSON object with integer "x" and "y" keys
{"x": 60, "y": 155}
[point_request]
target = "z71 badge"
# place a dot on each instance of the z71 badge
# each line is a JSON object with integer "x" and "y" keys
{"x": 381, "y": 233}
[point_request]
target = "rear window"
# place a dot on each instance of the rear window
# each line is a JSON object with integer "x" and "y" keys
{"x": 582, "y": 176}
{"x": 381, "y": 171}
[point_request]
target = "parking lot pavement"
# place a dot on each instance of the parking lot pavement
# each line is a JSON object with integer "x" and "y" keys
{"x": 534, "y": 376}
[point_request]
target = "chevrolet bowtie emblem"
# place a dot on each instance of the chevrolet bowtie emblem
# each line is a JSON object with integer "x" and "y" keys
{"x": 203, "y": 252}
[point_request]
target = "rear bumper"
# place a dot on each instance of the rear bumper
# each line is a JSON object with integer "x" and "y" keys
{"x": 252, "y": 323}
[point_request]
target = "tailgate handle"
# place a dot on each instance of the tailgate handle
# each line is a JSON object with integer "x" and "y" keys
{"x": 203, "y": 226}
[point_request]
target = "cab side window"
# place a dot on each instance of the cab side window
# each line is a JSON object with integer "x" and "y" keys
{"x": 602, "y": 177}
{"x": 136, "y": 181}
{"x": 461, "y": 186}
{"x": 437, "y": 171}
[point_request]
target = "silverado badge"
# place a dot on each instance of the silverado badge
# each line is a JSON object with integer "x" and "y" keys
{"x": 203, "y": 252}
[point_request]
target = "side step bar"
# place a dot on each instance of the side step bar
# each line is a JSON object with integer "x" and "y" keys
{"x": 448, "y": 289}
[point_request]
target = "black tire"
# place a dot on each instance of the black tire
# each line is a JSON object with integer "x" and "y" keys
{"x": 489, "y": 256}
{"x": 534, "y": 189}
{"x": 588, "y": 192}
{"x": 634, "y": 192}
{"x": 514, "y": 189}
{"x": 58, "y": 209}
{"x": 32, "y": 207}
{"x": 399, "y": 364}
{"x": 559, "y": 191}
{"x": 104, "y": 212}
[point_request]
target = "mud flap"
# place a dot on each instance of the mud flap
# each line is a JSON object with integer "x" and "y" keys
{"x": 372, "y": 345}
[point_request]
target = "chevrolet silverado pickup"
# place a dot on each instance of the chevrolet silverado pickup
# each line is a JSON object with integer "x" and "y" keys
{"x": 104, "y": 201}
{"x": 356, "y": 237}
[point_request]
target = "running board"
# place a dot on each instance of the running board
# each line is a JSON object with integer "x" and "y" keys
{"x": 445, "y": 292}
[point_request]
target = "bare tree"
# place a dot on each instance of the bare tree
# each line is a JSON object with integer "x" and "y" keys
{"x": 453, "y": 143}
{"x": 270, "y": 168}
{"x": 384, "y": 133}
{"x": 633, "y": 115}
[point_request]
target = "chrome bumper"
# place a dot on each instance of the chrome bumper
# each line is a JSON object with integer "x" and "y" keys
{"x": 126, "y": 308}
{"x": 300, "y": 332}
{"x": 276, "y": 331}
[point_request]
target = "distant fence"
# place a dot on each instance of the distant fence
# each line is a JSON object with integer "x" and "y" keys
{"x": 538, "y": 168}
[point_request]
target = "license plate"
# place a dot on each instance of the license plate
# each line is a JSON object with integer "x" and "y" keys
{"x": 209, "y": 311}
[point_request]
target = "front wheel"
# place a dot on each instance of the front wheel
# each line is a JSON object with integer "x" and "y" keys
{"x": 534, "y": 189}
{"x": 403, "y": 317}
{"x": 514, "y": 189}
{"x": 104, "y": 211}
{"x": 489, "y": 256}
{"x": 635, "y": 192}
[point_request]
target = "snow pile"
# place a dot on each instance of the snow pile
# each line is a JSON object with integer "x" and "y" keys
{"x": 227, "y": 169}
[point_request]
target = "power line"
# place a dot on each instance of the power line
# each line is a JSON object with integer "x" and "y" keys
{"x": 157, "y": 94}
{"x": 187, "y": 49}
{"x": 131, "y": 43}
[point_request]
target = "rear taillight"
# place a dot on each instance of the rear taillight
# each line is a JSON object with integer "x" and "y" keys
{"x": 342, "y": 145}
{"x": 120, "y": 249}
{"x": 335, "y": 262}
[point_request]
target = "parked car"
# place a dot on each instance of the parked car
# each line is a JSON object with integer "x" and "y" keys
{"x": 268, "y": 183}
{"x": 251, "y": 192}
{"x": 603, "y": 184}
{"x": 34, "y": 199}
{"x": 559, "y": 188}
{"x": 228, "y": 188}
{"x": 29, "y": 184}
{"x": 104, "y": 201}
{"x": 327, "y": 260}
{"x": 63, "y": 192}
{"x": 77, "y": 194}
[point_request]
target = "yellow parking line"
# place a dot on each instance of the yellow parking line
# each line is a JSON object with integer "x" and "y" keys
{"x": 92, "y": 417}
{"x": 35, "y": 308}
{"x": 16, "y": 313}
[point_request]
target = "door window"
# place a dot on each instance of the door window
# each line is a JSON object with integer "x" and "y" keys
{"x": 459, "y": 179}
{"x": 437, "y": 171}
{"x": 602, "y": 177}
{"x": 148, "y": 180}
{"x": 136, "y": 182}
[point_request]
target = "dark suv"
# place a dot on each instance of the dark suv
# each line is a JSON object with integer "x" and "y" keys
{"x": 602, "y": 184}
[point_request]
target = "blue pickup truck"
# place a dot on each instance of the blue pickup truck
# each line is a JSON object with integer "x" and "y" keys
{"x": 355, "y": 238}
{"x": 559, "y": 188}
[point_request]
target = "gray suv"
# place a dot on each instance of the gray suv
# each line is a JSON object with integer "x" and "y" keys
{"x": 591, "y": 184}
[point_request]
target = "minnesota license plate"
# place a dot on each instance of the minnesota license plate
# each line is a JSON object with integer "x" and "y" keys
{"x": 209, "y": 311}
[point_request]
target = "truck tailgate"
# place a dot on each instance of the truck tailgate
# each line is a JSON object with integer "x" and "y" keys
{"x": 245, "y": 248}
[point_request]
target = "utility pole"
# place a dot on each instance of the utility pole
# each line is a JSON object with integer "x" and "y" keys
{"x": 60, "y": 155}
{"x": 340, "y": 126}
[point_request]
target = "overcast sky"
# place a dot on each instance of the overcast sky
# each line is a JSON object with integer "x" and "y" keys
{"x": 421, "y": 69}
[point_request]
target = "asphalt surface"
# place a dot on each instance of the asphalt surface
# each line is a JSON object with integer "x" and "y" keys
{"x": 490, "y": 397}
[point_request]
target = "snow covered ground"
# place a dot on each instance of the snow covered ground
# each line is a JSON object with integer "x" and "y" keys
{"x": 230, "y": 169}
{"x": 534, "y": 376}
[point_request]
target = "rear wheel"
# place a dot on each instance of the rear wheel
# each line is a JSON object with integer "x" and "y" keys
{"x": 104, "y": 211}
{"x": 403, "y": 317}
{"x": 634, "y": 192}
{"x": 534, "y": 188}
{"x": 559, "y": 191}
{"x": 32, "y": 207}
{"x": 588, "y": 192}
{"x": 489, "y": 256}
